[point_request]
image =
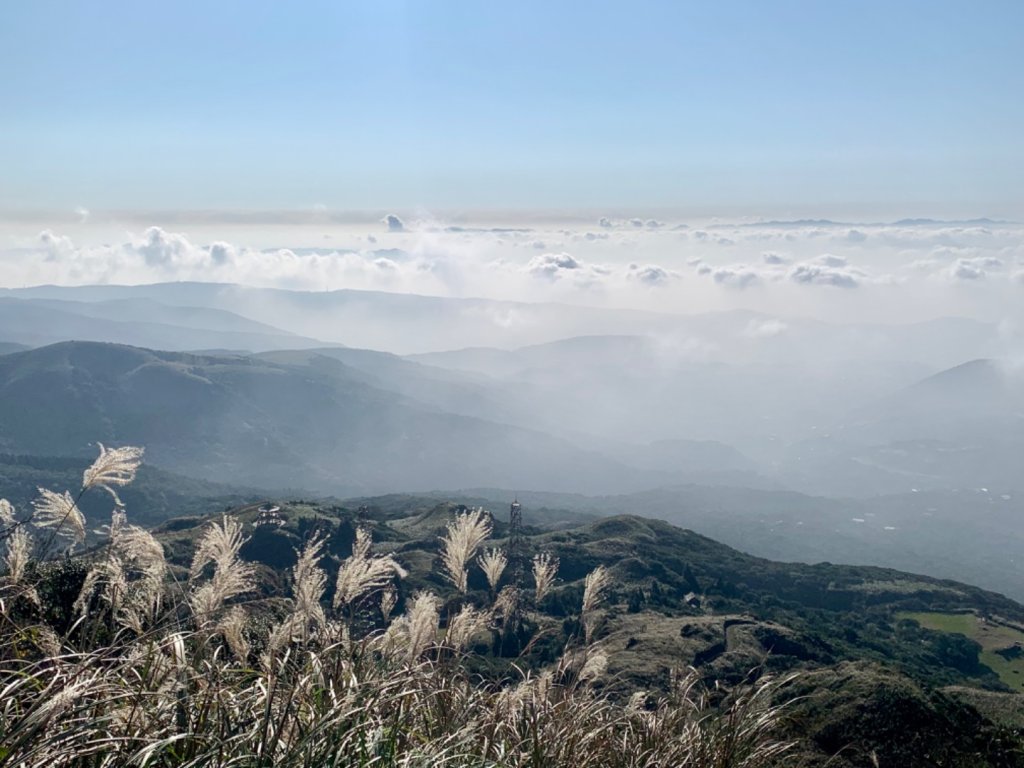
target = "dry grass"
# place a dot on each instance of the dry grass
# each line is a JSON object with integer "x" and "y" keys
{"x": 151, "y": 675}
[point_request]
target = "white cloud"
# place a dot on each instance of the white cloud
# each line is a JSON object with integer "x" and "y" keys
{"x": 164, "y": 249}
{"x": 393, "y": 223}
{"x": 551, "y": 265}
{"x": 222, "y": 253}
{"x": 56, "y": 246}
{"x": 966, "y": 269}
{"x": 830, "y": 260}
{"x": 650, "y": 274}
{"x": 737, "y": 276}
{"x": 816, "y": 273}
{"x": 526, "y": 260}
{"x": 759, "y": 328}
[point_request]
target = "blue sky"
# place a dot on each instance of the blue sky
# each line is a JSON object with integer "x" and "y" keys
{"x": 737, "y": 107}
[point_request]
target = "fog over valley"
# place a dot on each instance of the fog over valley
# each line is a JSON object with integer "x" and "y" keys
{"x": 860, "y": 380}
{"x": 520, "y": 385}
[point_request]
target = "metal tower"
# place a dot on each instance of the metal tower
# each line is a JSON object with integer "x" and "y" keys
{"x": 517, "y": 561}
{"x": 516, "y": 548}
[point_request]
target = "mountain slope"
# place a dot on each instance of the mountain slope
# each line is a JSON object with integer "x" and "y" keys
{"x": 958, "y": 404}
{"x": 960, "y": 428}
{"x": 437, "y": 388}
{"x": 6, "y": 347}
{"x": 138, "y": 322}
{"x": 876, "y": 685}
{"x": 410, "y": 324}
{"x": 258, "y": 423}
{"x": 971, "y": 535}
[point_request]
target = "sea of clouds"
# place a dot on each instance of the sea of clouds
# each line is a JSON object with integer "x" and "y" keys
{"x": 890, "y": 271}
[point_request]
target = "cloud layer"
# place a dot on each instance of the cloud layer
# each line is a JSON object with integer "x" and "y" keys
{"x": 909, "y": 270}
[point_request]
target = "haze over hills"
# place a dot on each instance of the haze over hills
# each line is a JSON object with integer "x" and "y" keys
{"x": 137, "y": 321}
{"x": 756, "y": 382}
{"x": 972, "y": 535}
{"x": 522, "y": 385}
{"x": 891, "y": 444}
{"x": 265, "y": 424}
{"x": 345, "y": 421}
{"x": 405, "y": 323}
{"x": 6, "y": 347}
{"x": 960, "y": 428}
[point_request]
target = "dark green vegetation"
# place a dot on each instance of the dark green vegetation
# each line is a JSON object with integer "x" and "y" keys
{"x": 1002, "y": 644}
{"x": 971, "y": 534}
{"x": 874, "y": 681}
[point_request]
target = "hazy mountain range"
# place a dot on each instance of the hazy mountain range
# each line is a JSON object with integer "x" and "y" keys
{"x": 894, "y": 445}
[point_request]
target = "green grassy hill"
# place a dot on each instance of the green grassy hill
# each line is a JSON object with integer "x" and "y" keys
{"x": 871, "y": 666}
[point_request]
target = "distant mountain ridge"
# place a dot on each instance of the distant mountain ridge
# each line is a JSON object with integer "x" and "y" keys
{"x": 419, "y": 324}
{"x": 6, "y": 347}
{"x": 258, "y": 423}
{"x": 138, "y": 322}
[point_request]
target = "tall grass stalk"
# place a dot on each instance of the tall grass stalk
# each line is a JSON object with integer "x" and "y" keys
{"x": 149, "y": 676}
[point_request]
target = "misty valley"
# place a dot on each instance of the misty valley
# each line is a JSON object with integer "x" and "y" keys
{"x": 843, "y": 456}
{"x": 511, "y": 385}
{"x": 783, "y": 522}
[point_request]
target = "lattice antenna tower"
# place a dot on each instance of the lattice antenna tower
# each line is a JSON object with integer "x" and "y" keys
{"x": 516, "y": 546}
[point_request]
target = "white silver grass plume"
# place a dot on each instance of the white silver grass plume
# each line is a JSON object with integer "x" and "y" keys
{"x": 594, "y": 587}
{"x": 145, "y": 569}
{"x": 415, "y": 631}
{"x": 463, "y": 538}
{"x": 493, "y": 563}
{"x": 232, "y": 628}
{"x": 506, "y": 602}
{"x": 113, "y": 467}
{"x": 18, "y": 543}
{"x": 231, "y": 575}
{"x": 464, "y": 626}
{"x": 310, "y": 584}
{"x": 279, "y": 637}
{"x": 307, "y": 614}
{"x": 59, "y": 512}
{"x": 545, "y": 568}
{"x": 6, "y": 513}
{"x": 109, "y": 575}
{"x": 143, "y": 551}
{"x": 363, "y": 574}
{"x": 421, "y": 622}
{"x": 387, "y": 603}
{"x": 220, "y": 545}
{"x": 595, "y": 665}
{"x": 16, "y": 558}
